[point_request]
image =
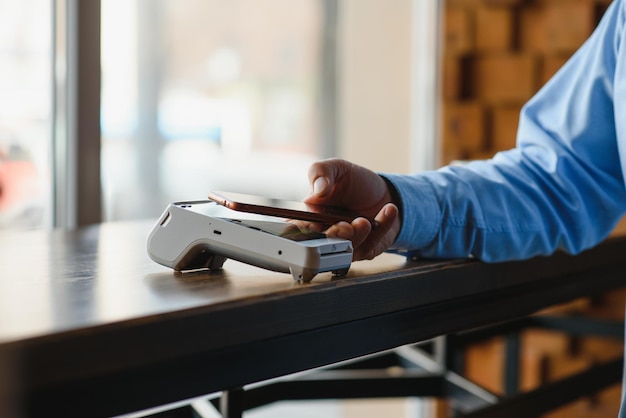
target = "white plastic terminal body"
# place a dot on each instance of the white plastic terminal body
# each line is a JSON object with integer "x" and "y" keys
{"x": 188, "y": 237}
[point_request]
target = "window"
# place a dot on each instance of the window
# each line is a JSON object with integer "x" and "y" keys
{"x": 209, "y": 94}
{"x": 111, "y": 109}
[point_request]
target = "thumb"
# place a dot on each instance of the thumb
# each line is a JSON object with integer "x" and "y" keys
{"x": 320, "y": 187}
{"x": 324, "y": 174}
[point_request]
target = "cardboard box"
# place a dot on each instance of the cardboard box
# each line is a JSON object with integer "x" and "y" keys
{"x": 458, "y": 31}
{"x": 494, "y": 29}
{"x": 464, "y": 126}
{"x": 504, "y": 123}
{"x": 557, "y": 27}
{"x": 506, "y": 78}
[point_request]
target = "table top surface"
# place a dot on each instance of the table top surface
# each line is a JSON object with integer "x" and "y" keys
{"x": 83, "y": 306}
{"x": 56, "y": 281}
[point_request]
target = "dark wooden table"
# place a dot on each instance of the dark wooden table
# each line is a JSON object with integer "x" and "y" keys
{"x": 90, "y": 326}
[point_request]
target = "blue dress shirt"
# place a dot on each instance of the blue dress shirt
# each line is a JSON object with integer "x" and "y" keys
{"x": 562, "y": 187}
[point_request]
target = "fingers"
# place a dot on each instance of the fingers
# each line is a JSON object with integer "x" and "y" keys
{"x": 380, "y": 238}
{"x": 343, "y": 230}
{"x": 323, "y": 175}
{"x": 313, "y": 226}
{"x": 337, "y": 182}
{"x": 321, "y": 187}
{"x": 369, "y": 242}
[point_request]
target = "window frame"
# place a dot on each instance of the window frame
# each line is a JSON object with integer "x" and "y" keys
{"x": 76, "y": 135}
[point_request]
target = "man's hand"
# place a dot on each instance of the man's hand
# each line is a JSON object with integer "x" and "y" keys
{"x": 337, "y": 182}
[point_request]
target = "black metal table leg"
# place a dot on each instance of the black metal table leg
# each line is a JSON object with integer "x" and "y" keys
{"x": 512, "y": 363}
{"x": 231, "y": 403}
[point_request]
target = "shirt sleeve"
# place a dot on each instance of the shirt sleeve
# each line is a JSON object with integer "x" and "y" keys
{"x": 562, "y": 186}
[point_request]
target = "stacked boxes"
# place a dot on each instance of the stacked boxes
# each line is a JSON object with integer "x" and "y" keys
{"x": 497, "y": 54}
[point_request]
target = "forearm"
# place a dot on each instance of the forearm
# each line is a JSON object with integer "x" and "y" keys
{"x": 503, "y": 209}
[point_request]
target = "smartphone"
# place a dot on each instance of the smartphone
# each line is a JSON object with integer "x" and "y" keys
{"x": 326, "y": 215}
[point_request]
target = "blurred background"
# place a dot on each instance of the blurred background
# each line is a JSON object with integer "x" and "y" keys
{"x": 111, "y": 109}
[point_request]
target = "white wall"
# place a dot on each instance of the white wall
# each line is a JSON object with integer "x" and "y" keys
{"x": 375, "y": 83}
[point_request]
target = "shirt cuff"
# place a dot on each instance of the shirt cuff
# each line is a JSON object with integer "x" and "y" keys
{"x": 419, "y": 209}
